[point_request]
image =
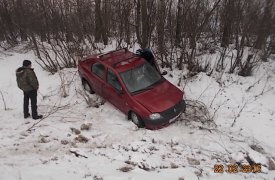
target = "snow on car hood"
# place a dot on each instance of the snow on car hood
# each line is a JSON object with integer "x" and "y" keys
{"x": 160, "y": 98}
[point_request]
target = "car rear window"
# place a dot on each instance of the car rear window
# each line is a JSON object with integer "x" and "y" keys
{"x": 98, "y": 69}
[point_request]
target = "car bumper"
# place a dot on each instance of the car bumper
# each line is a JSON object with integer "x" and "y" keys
{"x": 169, "y": 116}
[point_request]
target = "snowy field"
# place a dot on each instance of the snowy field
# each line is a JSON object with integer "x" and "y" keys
{"x": 75, "y": 142}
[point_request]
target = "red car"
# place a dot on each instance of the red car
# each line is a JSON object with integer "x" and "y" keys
{"x": 134, "y": 86}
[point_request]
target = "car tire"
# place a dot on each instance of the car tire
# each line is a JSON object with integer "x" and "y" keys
{"x": 87, "y": 87}
{"x": 135, "y": 118}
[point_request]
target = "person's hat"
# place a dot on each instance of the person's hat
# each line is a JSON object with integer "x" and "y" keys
{"x": 26, "y": 63}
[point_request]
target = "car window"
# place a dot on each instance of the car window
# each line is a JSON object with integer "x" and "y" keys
{"x": 113, "y": 80}
{"x": 98, "y": 69}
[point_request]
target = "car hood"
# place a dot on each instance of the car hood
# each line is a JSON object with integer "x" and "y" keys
{"x": 160, "y": 98}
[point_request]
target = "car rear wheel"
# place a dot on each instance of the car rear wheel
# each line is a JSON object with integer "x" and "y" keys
{"x": 137, "y": 120}
{"x": 87, "y": 87}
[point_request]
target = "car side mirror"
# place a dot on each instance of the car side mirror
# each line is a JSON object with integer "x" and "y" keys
{"x": 120, "y": 91}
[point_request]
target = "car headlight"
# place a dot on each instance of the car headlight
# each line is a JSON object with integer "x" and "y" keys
{"x": 155, "y": 116}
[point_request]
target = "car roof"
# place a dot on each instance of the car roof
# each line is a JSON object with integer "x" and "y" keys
{"x": 121, "y": 60}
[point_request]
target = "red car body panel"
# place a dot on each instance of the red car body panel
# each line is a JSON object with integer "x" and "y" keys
{"x": 160, "y": 98}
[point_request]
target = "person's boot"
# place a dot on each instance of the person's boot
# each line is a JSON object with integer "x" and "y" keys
{"x": 37, "y": 117}
{"x": 27, "y": 115}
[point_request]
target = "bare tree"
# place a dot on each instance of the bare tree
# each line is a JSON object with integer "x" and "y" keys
{"x": 179, "y": 31}
{"x": 144, "y": 21}
{"x": 100, "y": 22}
{"x": 160, "y": 29}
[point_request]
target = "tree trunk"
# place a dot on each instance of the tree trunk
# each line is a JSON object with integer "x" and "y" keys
{"x": 265, "y": 26}
{"x": 228, "y": 16}
{"x": 138, "y": 22}
{"x": 144, "y": 24}
{"x": 179, "y": 20}
{"x": 98, "y": 20}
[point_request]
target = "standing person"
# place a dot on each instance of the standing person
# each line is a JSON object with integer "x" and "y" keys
{"x": 147, "y": 54}
{"x": 28, "y": 83}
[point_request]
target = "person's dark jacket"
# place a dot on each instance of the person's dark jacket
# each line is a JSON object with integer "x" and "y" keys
{"x": 149, "y": 57}
{"x": 26, "y": 79}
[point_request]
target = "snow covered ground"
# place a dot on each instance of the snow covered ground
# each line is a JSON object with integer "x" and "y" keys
{"x": 111, "y": 147}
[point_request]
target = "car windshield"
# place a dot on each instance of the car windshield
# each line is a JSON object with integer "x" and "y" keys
{"x": 140, "y": 78}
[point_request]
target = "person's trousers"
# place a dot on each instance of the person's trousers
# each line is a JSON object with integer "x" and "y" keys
{"x": 30, "y": 95}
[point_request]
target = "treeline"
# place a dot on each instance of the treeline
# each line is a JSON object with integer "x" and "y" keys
{"x": 184, "y": 27}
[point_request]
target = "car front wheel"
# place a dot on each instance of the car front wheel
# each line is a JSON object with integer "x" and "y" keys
{"x": 87, "y": 87}
{"x": 137, "y": 120}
